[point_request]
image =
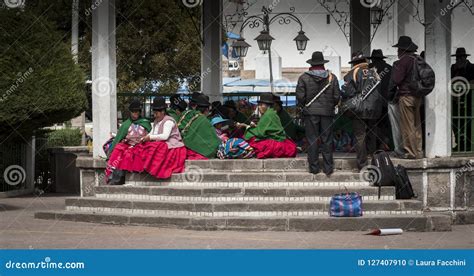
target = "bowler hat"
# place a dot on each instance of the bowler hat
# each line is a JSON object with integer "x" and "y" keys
{"x": 358, "y": 57}
{"x": 266, "y": 98}
{"x": 405, "y": 43}
{"x": 460, "y": 52}
{"x": 176, "y": 102}
{"x": 194, "y": 97}
{"x": 202, "y": 101}
{"x": 230, "y": 104}
{"x": 135, "y": 105}
{"x": 159, "y": 103}
{"x": 217, "y": 120}
{"x": 377, "y": 53}
{"x": 277, "y": 100}
{"x": 317, "y": 59}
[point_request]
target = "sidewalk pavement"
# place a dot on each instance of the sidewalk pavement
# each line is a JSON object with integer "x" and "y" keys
{"x": 18, "y": 229}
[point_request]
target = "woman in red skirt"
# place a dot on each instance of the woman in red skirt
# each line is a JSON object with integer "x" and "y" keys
{"x": 124, "y": 154}
{"x": 267, "y": 137}
{"x": 163, "y": 151}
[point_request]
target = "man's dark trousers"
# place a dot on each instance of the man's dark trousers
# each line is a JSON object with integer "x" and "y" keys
{"x": 366, "y": 138}
{"x": 319, "y": 127}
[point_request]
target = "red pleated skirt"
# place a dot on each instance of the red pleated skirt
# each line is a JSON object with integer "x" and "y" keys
{"x": 152, "y": 157}
{"x": 269, "y": 148}
{"x": 192, "y": 155}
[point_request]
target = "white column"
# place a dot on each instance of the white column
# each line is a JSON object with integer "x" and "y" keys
{"x": 211, "y": 53}
{"x": 79, "y": 121}
{"x": 438, "y": 103}
{"x": 104, "y": 79}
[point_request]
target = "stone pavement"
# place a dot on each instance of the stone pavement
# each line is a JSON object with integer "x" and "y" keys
{"x": 18, "y": 229}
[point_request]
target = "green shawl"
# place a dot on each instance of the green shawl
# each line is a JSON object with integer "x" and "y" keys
{"x": 198, "y": 133}
{"x": 173, "y": 114}
{"x": 293, "y": 131}
{"x": 269, "y": 127}
{"x": 123, "y": 131}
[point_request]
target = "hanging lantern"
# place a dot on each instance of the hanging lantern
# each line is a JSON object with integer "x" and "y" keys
{"x": 301, "y": 40}
{"x": 376, "y": 15}
{"x": 241, "y": 47}
{"x": 264, "y": 41}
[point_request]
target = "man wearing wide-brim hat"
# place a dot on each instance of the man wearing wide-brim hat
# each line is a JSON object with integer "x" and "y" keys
{"x": 357, "y": 81}
{"x": 463, "y": 67}
{"x": 384, "y": 70}
{"x": 317, "y": 94}
{"x": 409, "y": 104}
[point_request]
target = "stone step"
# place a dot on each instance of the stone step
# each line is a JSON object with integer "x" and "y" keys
{"x": 227, "y": 209}
{"x": 420, "y": 223}
{"x": 199, "y": 176}
{"x": 270, "y": 165}
{"x": 166, "y": 193}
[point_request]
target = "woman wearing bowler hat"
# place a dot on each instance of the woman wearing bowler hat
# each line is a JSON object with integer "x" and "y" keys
{"x": 268, "y": 137}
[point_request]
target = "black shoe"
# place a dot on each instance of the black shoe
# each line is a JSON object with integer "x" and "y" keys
{"x": 314, "y": 172}
{"x": 328, "y": 174}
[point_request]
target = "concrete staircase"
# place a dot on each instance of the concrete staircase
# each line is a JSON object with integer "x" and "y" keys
{"x": 273, "y": 194}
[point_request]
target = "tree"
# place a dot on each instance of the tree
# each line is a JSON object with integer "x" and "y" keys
{"x": 40, "y": 82}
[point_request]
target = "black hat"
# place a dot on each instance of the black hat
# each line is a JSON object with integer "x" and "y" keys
{"x": 377, "y": 53}
{"x": 202, "y": 101}
{"x": 159, "y": 103}
{"x": 194, "y": 97}
{"x": 176, "y": 102}
{"x": 277, "y": 100}
{"x": 266, "y": 98}
{"x": 317, "y": 59}
{"x": 460, "y": 52}
{"x": 216, "y": 104}
{"x": 358, "y": 57}
{"x": 405, "y": 43}
{"x": 230, "y": 104}
{"x": 135, "y": 105}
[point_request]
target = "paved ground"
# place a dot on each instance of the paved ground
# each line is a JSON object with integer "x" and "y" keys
{"x": 18, "y": 229}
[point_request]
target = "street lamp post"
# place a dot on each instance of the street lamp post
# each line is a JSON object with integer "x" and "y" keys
{"x": 264, "y": 40}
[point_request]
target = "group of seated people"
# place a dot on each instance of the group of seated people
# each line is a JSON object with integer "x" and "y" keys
{"x": 193, "y": 131}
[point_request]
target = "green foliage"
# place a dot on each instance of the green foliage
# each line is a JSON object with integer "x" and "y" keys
{"x": 40, "y": 84}
{"x": 67, "y": 137}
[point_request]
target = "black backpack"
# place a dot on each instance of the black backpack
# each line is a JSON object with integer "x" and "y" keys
{"x": 403, "y": 189}
{"x": 423, "y": 78}
{"x": 388, "y": 175}
{"x": 364, "y": 98}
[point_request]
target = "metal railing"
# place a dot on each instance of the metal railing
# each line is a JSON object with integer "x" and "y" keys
{"x": 463, "y": 123}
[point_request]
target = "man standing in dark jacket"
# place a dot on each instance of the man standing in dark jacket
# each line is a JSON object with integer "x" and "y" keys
{"x": 463, "y": 67}
{"x": 384, "y": 70}
{"x": 409, "y": 104}
{"x": 317, "y": 94}
{"x": 362, "y": 79}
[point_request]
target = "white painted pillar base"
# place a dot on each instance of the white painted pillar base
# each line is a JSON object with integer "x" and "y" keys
{"x": 438, "y": 103}
{"x": 104, "y": 75}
